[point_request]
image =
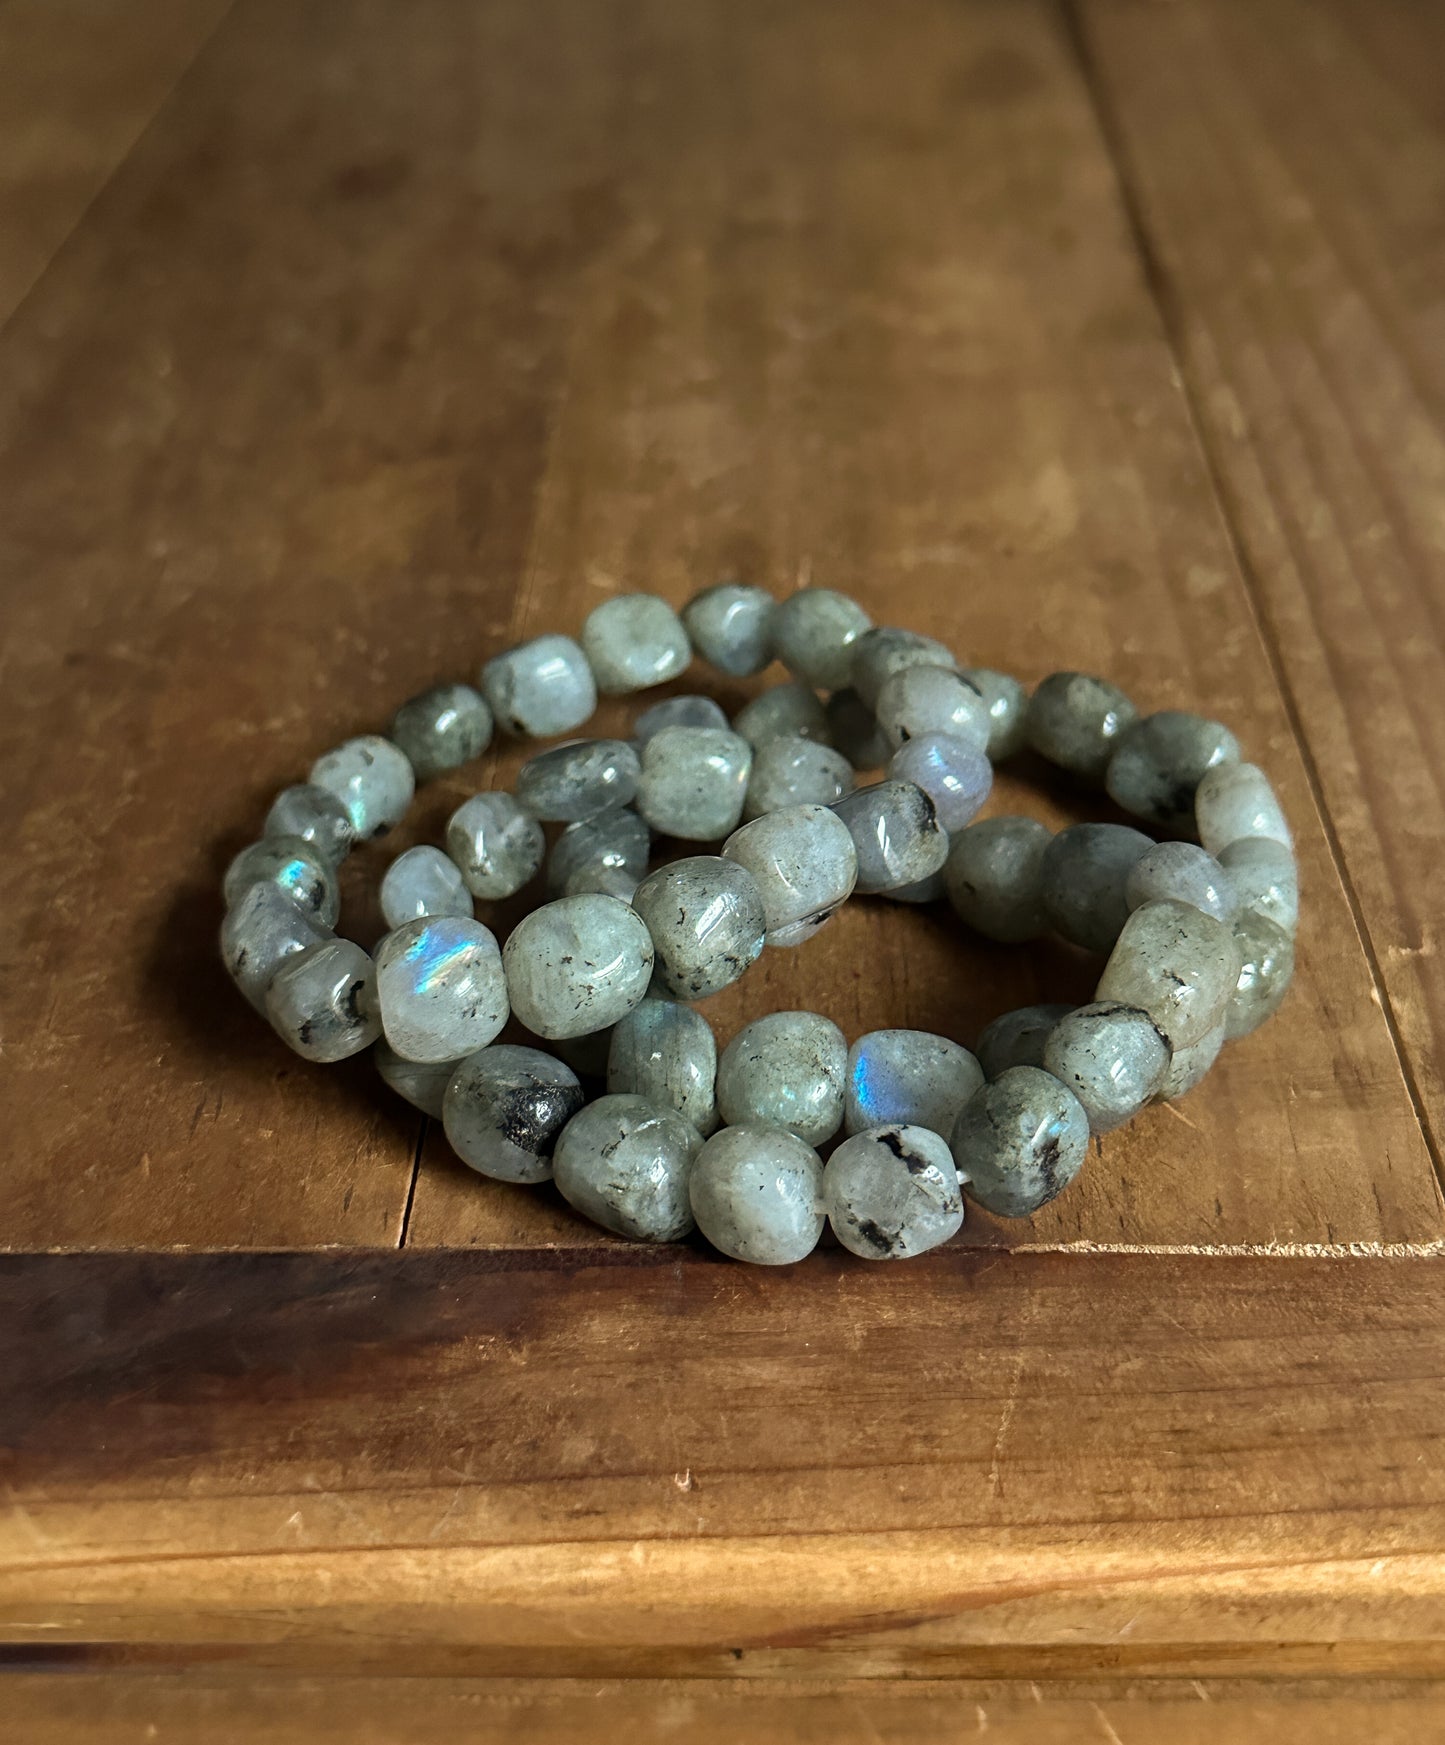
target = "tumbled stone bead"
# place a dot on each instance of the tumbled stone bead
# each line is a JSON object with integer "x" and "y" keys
{"x": 796, "y": 772}
{"x": 618, "y": 840}
{"x": 1189, "y": 1065}
{"x": 1184, "y": 872}
{"x": 316, "y": 816}
{"x": 442, "y": 729}
{"x": 608, "y": 881}
{"x": 895, "y": 832}
{"x": 995, "y": 876}
{"x": 666, "y": 1052}
{"x": 731, "y": 626}
{"x": 678, "y": 712}
{"x": 423, "y": 1083}
{"x": 1082, "y": 879}
{"x": 932, "y": 889}
{"x": 756, "y": 1193}
{"x": 1158, "y": 764}
{"x": 907, "y": 1078}
{"x": 1007, "y": 703}
{"x": 853, "y": 729}
{"x": 504, "y": 1108}
{"x": 633, "y": 641}
{"x": 804, "y": 864}
{"x": 540, "y": 688}
{"x": 883, "y": 651}
{"x": 322, "y": 1001}
{"x": 577, "y": 965}
{"x": 624, "y": 1163}
{"x": 813, "y": 635}
{"x": 1075, "y": 720}
{"x": 783, "y": 711}
{"x": 1177, "y": 964}
{"x": 892, "y": 1192}
{"x": 262, "y": 929}
{"x": 423, "y": 881}
{"x": 705, "y": 915}
{"x": 785, "y": 1070}
{"x": 440, "y": 986}
{"x": 694, "y": 781}
{"x": 1236, "y": 801}
{"x": 372, "y": 779}
{"x": 954, "y": 774}
{"x": 1112, "y": 1057}
{"x": 297, "y": 870}
{"x": 571, "y": 783}
{"x": 1018, "y": 1038}
{"x": 1266, "y": 955}
{"x": 1020, "y": 1142}
{"x": 1265, "y": 878}
{"x": 931, "y": 699}
{"x": 497, "y": 845}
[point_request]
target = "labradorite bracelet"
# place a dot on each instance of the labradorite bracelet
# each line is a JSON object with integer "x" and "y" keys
{"x": 1198, "y": 934}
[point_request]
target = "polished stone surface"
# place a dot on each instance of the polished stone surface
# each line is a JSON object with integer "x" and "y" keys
{"x": 853, "y": 729}
{"x": 569, "y": 784}
{"x": 1177, "y": 964}
{"x": 422, "y": 1083}
{"x": 442, "y": 729}
{"x": 316, "y": 816}
{"x": 705, "y": 915}
{"x": 1265, "y": 878}
{"x": 440, "y": 988}
{"x": 505, "y": 1106}
{"x": 1185, "y": 872}
{"x": 1075, "y": 721}
{"x": 666, "y": 1052}
{"x": 1159, "y": 762}
{"x": 882, "y": 651}
{"x": 796, "y": 772}
{"x": 813, "y": 635}
{"x": 1266, "y": 954}
{"x": 1018, "y": 1038}
{"x": 497, "y": 844}
{"x": 731, "y": 626}
{"x": 577, "y": 965}
{"x": 892, "y": 1192}
{"x": 540, "y": 688}
{"x": 372, "y": 779}
{"x": 299, "y": 871}
{"x": 1235, "y": 802}
{"x": 756, "y": 1193}
{"x": 787, "y": 1069}
{"x": 624, "y": 1163}
{"x": 694, "y": 782}
{"x": 1020, "y": 1142}
{"x": 804, "y": 864}
{"x": 908, "y": 1078}
{"x": 931, "y": 699}
{"x": 259, "y": 931}
{"x": 1112, "y": 1058}
{"x": 994, "y": 877}
{"x": 786, "y": 711}
{"x": 896, "y": 834}
{"x": 1007, "y": 703}
{"x": 322, "y": 1001}
{"x": 634, "y": 641}
{"x": 692, "y": 711}
{"x": 423, "y": 881}
{"x": 1082, "y": 880}
{"x": 618, "y": 841}
{"x": 953, "y": 772}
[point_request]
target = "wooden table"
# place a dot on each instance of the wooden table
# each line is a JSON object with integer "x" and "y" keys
{"x": 343, "y": 345}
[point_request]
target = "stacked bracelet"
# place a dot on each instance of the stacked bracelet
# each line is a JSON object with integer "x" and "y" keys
{"x": 1198, "y": 934}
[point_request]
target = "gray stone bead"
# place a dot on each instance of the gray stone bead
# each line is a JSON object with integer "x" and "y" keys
{"x": 813, "y": 635}
{"x": 440, "y": 987}
{"x": 442, "y": 729}
{"x": 259, "y": 933}
{"x": 931, "y": 699}
{"x": 618, "y": 841}
{"x": 705, "y": 915}
{"x": 796, "y": 772}
{"x": 603, "y": 881}
{"x": 372, "y": 779}
{"x": 322, "y": 1001}
{"x": 497, "y": 845}
{"x": 504, "y": 1108}
{"x": 783, "y": 711}
{"x": 678, "y": 712}
{"x": 995, "y": 877}
{"x": 756, "y": 1193}
{"x": 577, "y": 965}
{"x": 1265, "y": 878}
{"x": 1075, "y": 720}
{"x": 624, "y": 1163}
{"x": 572, "y": 783}
{"x": 1177, "y": 964}
{"x": 1266, "y": 955}
{"x": 1020, "y": 1142}
{"x": 316, "y": 816}
{"x": 422, "y": 1083}
{"x": 932, "y": 889}
{"x": 954, "y": 774}
{"x": 540, "y": 688}
{"x": 299, "y": 871}
{"x": 1236, "y": 801}
{"x": 907, "y": 1078}
{"x": 804, "y": 864}
{"x": 1082, "y": 879}
{"x": 785, "y": 1070}
{"x": 892, "y": 1192}
{"x": 1007, "y": 703}
{"x": 1113, "y": 1058}
{"x": 423, "y": 881}
{"x": 1189, "y": 1065}
{"x": 895, "y": 832}
{"x": 854, "y": 730}
{"x": 666, "y": 1053}
{"x": 883, "y": 651}
{"x": 731, "y": 626}
{"x": 634, "y": 641}
{"x": 1159, "y": 762}
{"x": 1018, "y": 1038}
{"x": 1184, "y": 872}
{"x": 694, "y": 781}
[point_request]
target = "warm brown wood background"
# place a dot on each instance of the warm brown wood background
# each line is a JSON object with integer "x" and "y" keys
{"x": 340, "y": 345}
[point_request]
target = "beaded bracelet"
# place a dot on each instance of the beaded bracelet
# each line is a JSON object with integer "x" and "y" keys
{"x": 1198, "y": 934}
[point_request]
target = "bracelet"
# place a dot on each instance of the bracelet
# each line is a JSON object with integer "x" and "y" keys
{"x": 1198, "y": 934}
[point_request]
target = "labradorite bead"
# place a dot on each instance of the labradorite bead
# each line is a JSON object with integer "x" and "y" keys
{"x": 907, "y": 1078}
{"x": 1158, "y": 763}
{"x": 316, "y": 816}
{"x": 372, "y": 779}
{"x": 804, "y": 864}
{"x": 440, "y": 987}
{"x": 666, "y": 1052}
{"x": 694, "y": 781}
{"x": 422, "y": 1082}
{"x": 497, "y": 845}
{"x": 540, "y": 688}
{"x": 1075, "y": 720}
{"x": 678, "y": 712}
{"x": 796, "y": 772}
{"x": 892, "y": 1192}
{"x": 756, "y": 1193}
{"x": 954, "y": 774}
{"x": 931, "y": 699}
{"x": 633, "y": 641}
{"x": 731, "y": 626}
{"x": 1189, "y": 1065}
{"x": 1018, "y": 1038}
{"x": 1112, "y": 1057}
{"x": 1265, "y": 878}
{"x": 1236, "y": 801}
{"x": 1020, "y": 1142}
{"x": 1177, "y": 964}
{"x": 1082, "y": 878}
{"x": 785, "y": 1070}
{"x": 813, "y": 635}
{"x": 297, "y": 870}
{"x": 1266, "y": 955}
{"x": 1007, "y": 703}
{"x": 932, "y": 889}
{"x": 995, "y": 875}
{"x": 442, "y": 729}
{"x": 262, "y": 929}
{"x": 577, "y": 965}
{"x": 423, "y": 881}
{"x": 705, "y": 915}
{"x": 624, "y": 1163}
{"x": 783, "y": 711}
{"x": 1184, "y": 872}
{"x": 572, "y": 783}
{"x": 504, "y": 1108}
{"x": 883, "y": 651}
{"x": 854, "y": 730}
{"x": 618, "y": 841}
{"x": 896, "y": 834}
{"x": 322, "y": 1001}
